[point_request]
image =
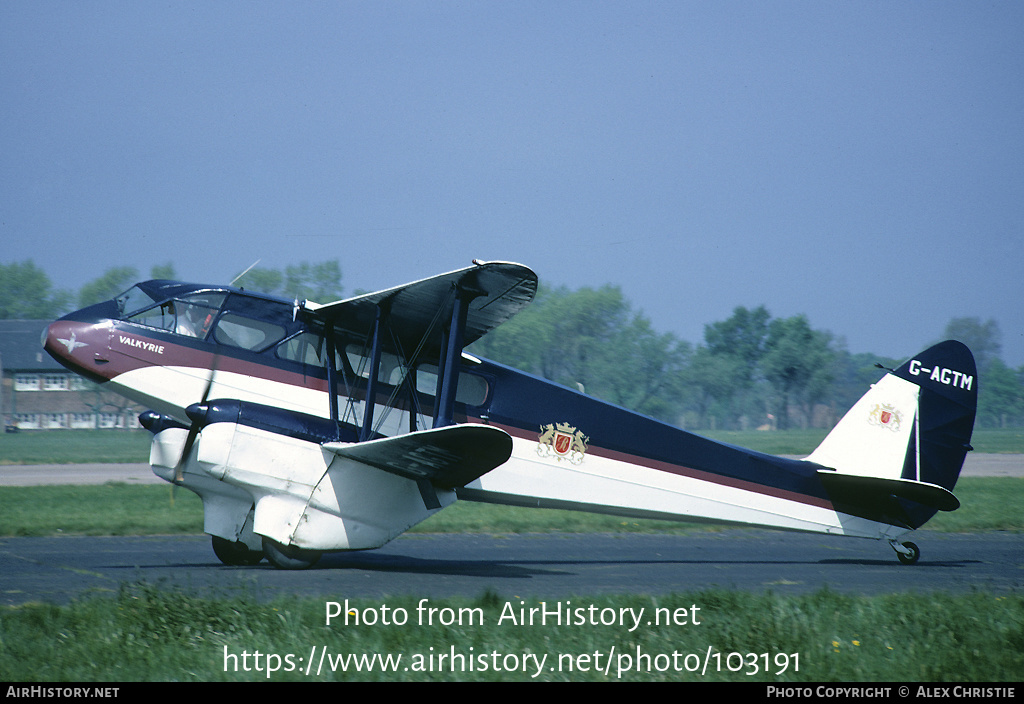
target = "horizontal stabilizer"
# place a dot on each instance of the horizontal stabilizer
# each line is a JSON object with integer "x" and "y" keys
{"x": 851, "y": 488}
{"x": 447, "y": 457}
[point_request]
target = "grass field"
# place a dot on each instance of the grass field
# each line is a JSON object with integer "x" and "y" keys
{"x": 119, "y": 446}
{"x": 988, "y": 503}
{"x": 152, "y": 634}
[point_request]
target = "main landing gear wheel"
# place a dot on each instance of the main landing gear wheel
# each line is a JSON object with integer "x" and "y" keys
{"x": 289, "y": 557}
{"x": 234, "y": 553}
{"x": 910, "y": 553}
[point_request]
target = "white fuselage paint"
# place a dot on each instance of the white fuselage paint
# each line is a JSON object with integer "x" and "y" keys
{"x": 310, "y": 498}
{"x": 299, "y": 493}
{"x": 604, "y": 485}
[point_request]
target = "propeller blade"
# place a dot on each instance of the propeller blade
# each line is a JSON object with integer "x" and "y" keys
{"x": 190, "y": 440}
{"x": 209, "y": 381}
{"x": 196, "y": 412}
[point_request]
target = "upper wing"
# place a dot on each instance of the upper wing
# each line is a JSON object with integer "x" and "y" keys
{"x": 504, "y": 289}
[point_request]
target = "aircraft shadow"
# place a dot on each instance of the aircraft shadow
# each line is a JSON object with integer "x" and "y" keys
{"x": 371, "y": 562}
{"x": 374, "y": 562}
{"x": 523, "y": 568}
{"x": 883, "y": 563}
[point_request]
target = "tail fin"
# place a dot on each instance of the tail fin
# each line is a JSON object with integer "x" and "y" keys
{"x": 908, "y": 436}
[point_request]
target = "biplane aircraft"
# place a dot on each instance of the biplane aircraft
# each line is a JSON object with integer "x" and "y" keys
{"x": 308, "y": 428}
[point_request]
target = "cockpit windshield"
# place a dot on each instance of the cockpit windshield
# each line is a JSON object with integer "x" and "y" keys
{"x": 132, "y": 301}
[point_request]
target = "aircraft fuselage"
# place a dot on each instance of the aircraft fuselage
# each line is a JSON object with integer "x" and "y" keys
{"x": 168, "y": 345}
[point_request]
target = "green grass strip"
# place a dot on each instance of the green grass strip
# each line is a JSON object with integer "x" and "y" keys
{"x": 120, "y": 446}
{"x": 988, "y": 503}
{"x": 148, "y": 633}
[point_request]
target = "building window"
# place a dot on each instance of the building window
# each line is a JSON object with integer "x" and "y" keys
{"x": 27, "y": 421}
{"x": 56, "y": 382}
{"x": 107, "y": 420}
{"x": 53, "y": 420}
{"x": 26, "y": 382}
{"x": 82, "y": 420}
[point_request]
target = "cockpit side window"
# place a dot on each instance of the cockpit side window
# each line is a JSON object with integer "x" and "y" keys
{"x": 191, "y": 316}
{"x": 161, "y": 316}
{"x": 195, "y": 315}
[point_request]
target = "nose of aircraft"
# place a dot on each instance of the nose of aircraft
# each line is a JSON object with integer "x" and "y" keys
{"x": 75, "y": 344}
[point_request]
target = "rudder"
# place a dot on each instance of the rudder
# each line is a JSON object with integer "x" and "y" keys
{"x": 948, "y": 379}
{"x": 908, "y": 436}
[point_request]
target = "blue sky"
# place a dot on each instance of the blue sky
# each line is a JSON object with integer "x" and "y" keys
{"x": 858, "y": 162}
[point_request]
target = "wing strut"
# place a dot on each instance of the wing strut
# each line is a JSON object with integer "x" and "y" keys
{"x": 332, "y": 376}
{"x": 451, "y": 354}
{"x": 371, "y": 382}
{"x": 485, "y": 295}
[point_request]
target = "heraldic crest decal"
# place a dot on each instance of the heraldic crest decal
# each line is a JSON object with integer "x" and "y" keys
{"x": 886, "y": 416}
{"x": 563, "y": 442}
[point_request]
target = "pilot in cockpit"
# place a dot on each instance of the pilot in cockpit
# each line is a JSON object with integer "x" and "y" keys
{"x": 192, "y": 321}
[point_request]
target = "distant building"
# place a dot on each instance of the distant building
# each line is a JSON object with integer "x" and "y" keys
{"x": 37, "y": 393}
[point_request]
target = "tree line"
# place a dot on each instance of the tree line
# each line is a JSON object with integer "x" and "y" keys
{"x": 751, "y": 370}
{"x": 26, "y": 292}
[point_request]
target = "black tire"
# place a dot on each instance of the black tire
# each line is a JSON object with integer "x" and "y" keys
{"x": 911, "y": 558}
{"x": 234, "y": 553}
{"x": 289, "y": 557}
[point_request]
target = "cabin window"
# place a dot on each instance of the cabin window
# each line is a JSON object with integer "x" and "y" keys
{"x": 392, "y": 370}
{"x": 247, "y": 333}
{"x": 472, "y": 389}
{"x": 304, "y": 349}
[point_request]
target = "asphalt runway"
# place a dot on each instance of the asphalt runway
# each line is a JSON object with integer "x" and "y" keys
{"x": 59, "y": 569}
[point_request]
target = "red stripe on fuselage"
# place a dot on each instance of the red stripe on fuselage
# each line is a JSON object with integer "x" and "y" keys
{"x": 138, "y": 350}
{"x": 107, "y": 351}
{"x": 680, "y": 470}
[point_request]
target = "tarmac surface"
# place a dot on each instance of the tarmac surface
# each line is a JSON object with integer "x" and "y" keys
{"x": 548, "y": 566}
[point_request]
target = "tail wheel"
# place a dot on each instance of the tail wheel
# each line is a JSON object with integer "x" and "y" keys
{"x": 289, "y": 557}
{"x": 234, "y": 553}
{"x": 911, "y": 557}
